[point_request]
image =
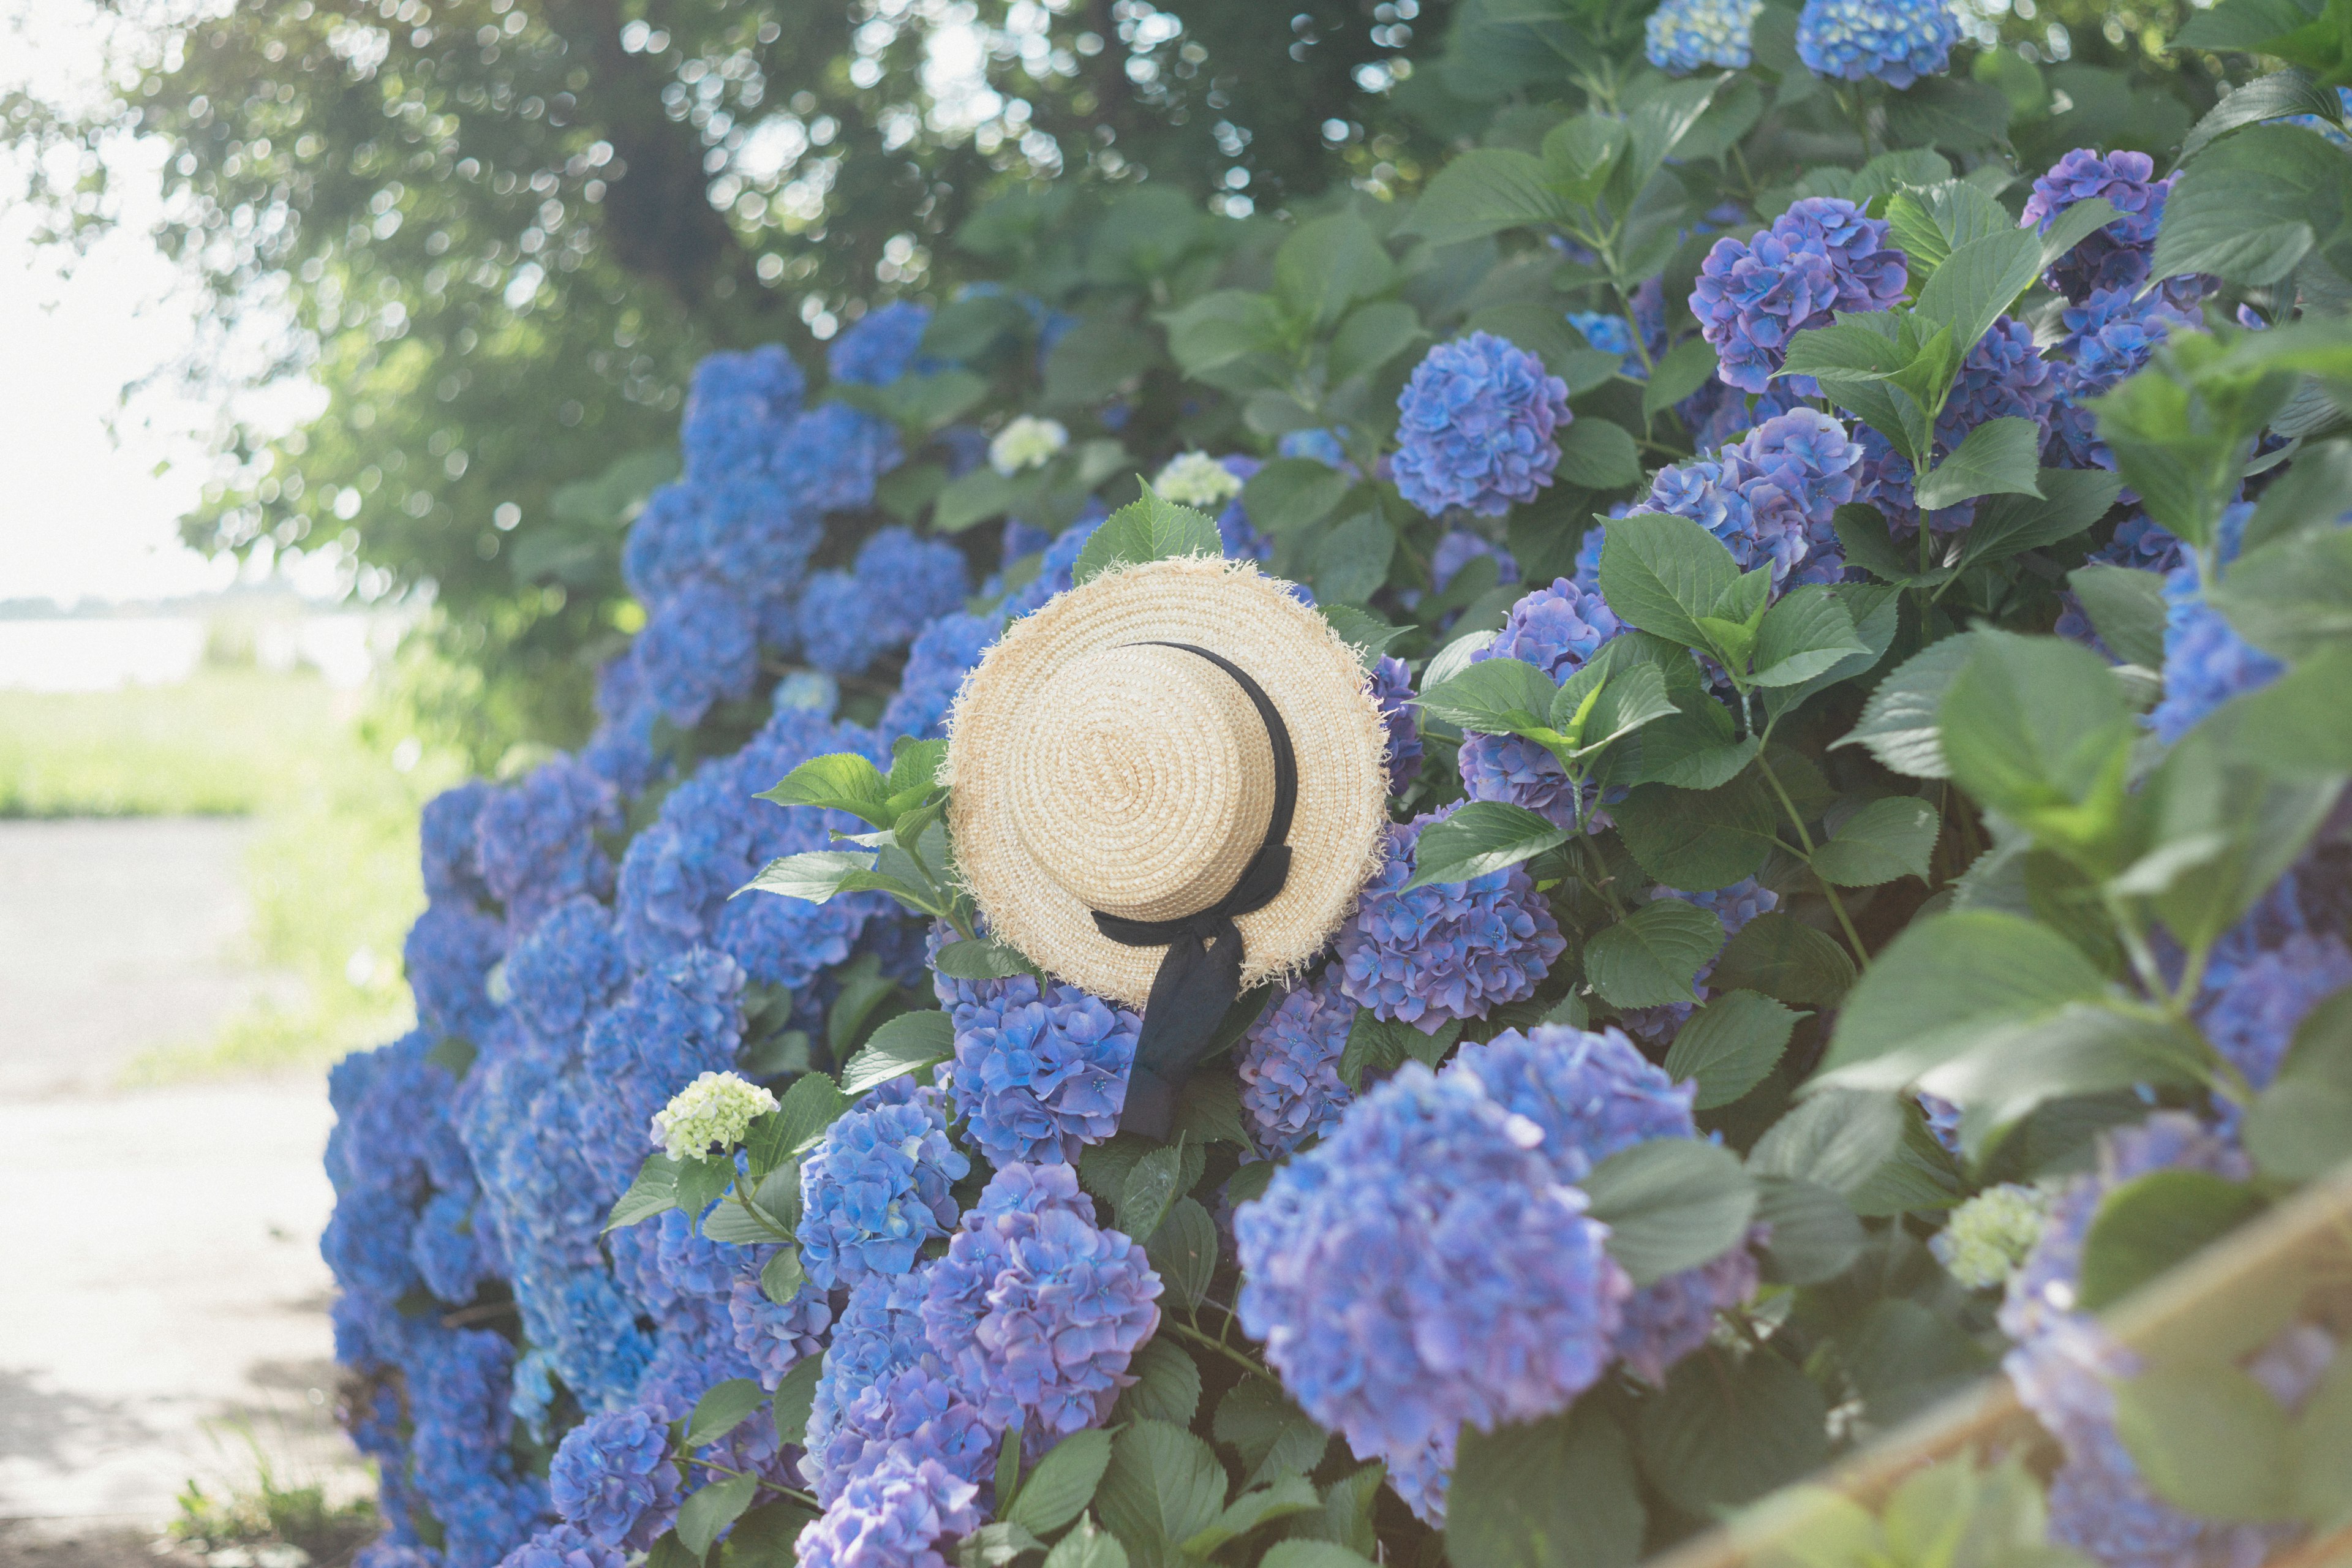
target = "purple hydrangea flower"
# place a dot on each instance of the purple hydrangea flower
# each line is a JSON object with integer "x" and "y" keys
{"x": 911, "y": 1415}
{"x": 839, "y": 453}
{"x": 2109, "y": 336}
{"x": 1426, "y": 1265}
{"x": 1392, "y": 688}
{"x": 1734, "y": 907}
{"x": 1557, "y": 629}
{"x": 777, "y": 1338}
{"x": 562, "y": 1546}
{"x": 2115, "y": 256}
{"x": 1449, "y": 949}
{"x": 612, "y": 1476}
{"x": 893, "y": 1517}
{"x": 1460, "y": 547}
{"x": 1751, "y": 297}
{"x": 1039, "y": 1072}
{"x": 1290, "y": 1065}
{"x": 1772, "y": 498}
{"x": 1897, "y": 41}
{"x": 1476, "y": 431}
{"x": 875, "y": 1189}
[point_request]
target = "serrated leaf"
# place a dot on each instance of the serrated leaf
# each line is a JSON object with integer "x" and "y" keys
{"x": 1285, "y": 1496}
{"x": 1062, "y": 1483}
{"x": 1648, "y": 959}
{"x": 1662, "y": 572}
{"x": 1900, "y": 722}
{"x": 1698, "y": 840}
{"x": 1493, "y": 696}
{"x": 1785, "y": 959}
{"x": 906, "y": 1043}
{"x": 1167, "y": 1386}
{"x": 1998, "y": 457}
{"x": 1885, "y": 839}
{"x": 1479, "y": 837}
{"x": 725, "y": 1407}
{"x": 1598, "y": 455}
{"x": 1671, "y": 1203}
{"x": 1813, "y": 1233}
{"x": 810, "y": 1106}
{"x": 1149, "y": 527}
{"x": 2072, "y": 499}
{"x": 815, "y": 876}
{"x": 1087, "y": 1547}
{"x": 1152, "y": 1189}
{"x": 1483, "y": 192}
{"x": 980, "y": 958}
{"x": 1804, "y": 634}
{"x": 1719, "y": 1436}
{"x": 1183, "y": 1251}
{"x": 840, "y": 781}
{"x": 1688, "y": 366}
{"x": 1729, "y": 1046}
{"x": 1978, "y": 282}
{"x": 1555, "y": 1493}
{"x": 1273, "y": 1436}
{"x": 712, "y": 1509}
{"x": 1163, "y": 1486}
{"x": 1360, "y": 629}
{"x": 795, "y": 1397}
{"x": 654, "y": 1191}
{"x": 782, "y": 1276}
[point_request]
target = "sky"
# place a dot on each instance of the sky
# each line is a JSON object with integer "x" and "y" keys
{"x": 91, "y": 487}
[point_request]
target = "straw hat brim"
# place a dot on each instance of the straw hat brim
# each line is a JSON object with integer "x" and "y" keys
{"x": 1316, "y": 683}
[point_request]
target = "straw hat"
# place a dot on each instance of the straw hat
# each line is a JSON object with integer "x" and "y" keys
{"x": 1113, "y": 772}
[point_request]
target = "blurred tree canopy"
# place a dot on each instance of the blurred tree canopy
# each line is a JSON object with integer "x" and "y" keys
{"x": 504, "y": 230}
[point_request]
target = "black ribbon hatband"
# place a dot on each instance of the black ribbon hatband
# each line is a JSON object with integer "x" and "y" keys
{"x": 1201, "y": 977}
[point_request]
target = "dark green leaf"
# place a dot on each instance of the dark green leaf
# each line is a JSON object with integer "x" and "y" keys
{"x": 1785, "y": 959}
{"x": 1163, "y": 1486}
{"x": 1167, "y": 1386}
{"x": 1814, "y": 1234}
{"x": 1310, "y": 1554}
{"x": 1805, "y": 634}
{"x": 1063, "y": 1482}
{"x": 1272, "y": 1435}
{"x": 2252, "y": 206}
{"x": 1351, "y": 561}
{"x": 1840, "y": 1140}
{"x": 2072, "y": 499}
{"x": 1951, "y": 982}
{"x": 1479, "y": 837}
{"x": 1721, "y": 1436}
{"x": 1152, "y": 1189}
{"x": 1287, "y": 1496}
{"x": 1483, "y": 192}
{"x": 1662, "y": 572}
{"x": 1328, "y": 264}
{"x": 2151, "y": 1223}
{"x": 1292, "y": 493}
{"x": 1889, "y": 838}
{"x": 2278, "y": 96}
{"x": 1671, "y": 1203}
{"x": 977, "y": 497}
{"x": 2126, "y": 608}
{"x": 2243, "y": 25}
{"x": 1998, "y": 457}
{"x": 700, "y": 1183}
{"x": 712, "y": 1509}
{"x": 1598, "y": 455}
{"x": 980, "y": 958}
{"x": 1649, "y": 958}
{"x": 2293, "y": 598}
{"x": 2036, "y": 725}
{"x": 809, "y": 1107}
{"x": 764, "y": 1537}
{"x": 1555, "y": 1493}
{"x": 1373, "y": 335}
{"x": 1209, "y": 1106}
{"x": 1863, "y": 532}
{"x": 780, "y": 1278}
{"x": 2321, "y": 1489}
{"x": 1729, "y": 1046}
{"x": 795, "y": 1397}
{"x": 2300, "y": 1129}
{"x": 2210, "y": 1439}
{"x": 1977, "y": 283}
{"x": 2075, "y": 225}
{"x": 654, "y": 1191}
{"x": 1698, "y": 840}
{"x": 666, "y": 1552}
{"x": 1183, "y": 1251}
{"x": 906, "y": 1043}
{"x": 723, "y": 1409}
{"x": 1688, "y": 366}
{"x": 1906, "y": 1357}
{"x": 1087, "y": 1547}
{"x": 1493, "y": 696}
{"x": 1360, "y": 629}
{"x": 1149, "y": 527}
{"x": 1899, "y": 723}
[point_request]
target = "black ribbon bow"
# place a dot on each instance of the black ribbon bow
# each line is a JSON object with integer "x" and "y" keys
{"x": 1201, "y": 977}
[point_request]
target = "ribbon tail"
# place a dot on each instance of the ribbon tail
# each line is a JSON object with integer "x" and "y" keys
{"x": 1195, "y": 987}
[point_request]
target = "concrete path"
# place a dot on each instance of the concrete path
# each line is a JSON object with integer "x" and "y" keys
{"x": 162, "y": 1305}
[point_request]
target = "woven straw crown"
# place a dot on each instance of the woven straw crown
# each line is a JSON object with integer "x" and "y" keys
{"x": 1093, "y": 771}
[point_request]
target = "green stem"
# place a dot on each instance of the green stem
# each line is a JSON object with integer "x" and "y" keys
{"x": 757, "y": 1213}
{"x": 718, "y": 1469}
{"x": 1240, "y": 1359}
{"x": 1837, "y": 905}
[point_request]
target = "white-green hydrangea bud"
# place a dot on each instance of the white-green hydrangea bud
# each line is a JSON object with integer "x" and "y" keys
{"x": 1986, "y": 1238}
{"x": 1196, "y": 479}
{"x": 714, "y": 1110}
{"x": 1028, "y": 442}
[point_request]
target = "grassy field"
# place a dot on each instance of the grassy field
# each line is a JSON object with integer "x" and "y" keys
{"x": 331, "y": 877}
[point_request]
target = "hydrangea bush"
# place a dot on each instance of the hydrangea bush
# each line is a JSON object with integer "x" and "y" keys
{"x": 1856, "y": 587}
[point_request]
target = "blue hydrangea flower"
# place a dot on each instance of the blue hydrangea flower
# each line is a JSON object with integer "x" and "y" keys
{"x": 737, "y": 410}
{"x": 448, "y": 1257}
{"x": 1771, "y": 498}
{"x": 2109, "y": 336}
{"x": 1522, "y": 772}
{"x": 2117, "y": 255}
{"x": 848, "y": 619}
{"x": 562, "y": 1546}
{"x": 447, "y": 955}
{"x": 880, "y": 1335}
{"x": 1422, "y": 1266}
{"x": 2206, "y": 662}
{"x": 1897, "y": 41}
{"x": 1057, "y": 568}
{"x": 568, "y": 966}
{"x": 1035, "y": 1309}
{"x": 1323, "y": 446}
{"x": 875, "y": 1189}
{"x": 1477, "y": 424}
{"x": 2251, "y": 1016}
{"x": 893, "y": 1517}
{"x": 700, "y": 647}
{"x": 1683, "y": 35}
{"x": 1557, "y": 629}
{"x": 777, "y": 1338}
{"x": 943, "y": 655}
{"x": 445, "y": 830}
{"x": 538, "y": 840}
{"x": 909, "y": 1415}
{"x": 1450, "y": 950}
{"x": 880, "y": 347}
{"x": 1290, "y": 1065}
{"x": 1751, "y": 297}
{"x": 1039, "y": 1073}
{"x": 366, "y": 1243}
{"x": 1668, "y": 1319}
{"x": 612, "y": 1476}
{"x": 838, "y": 453}
{"x": 1392, "y": 688}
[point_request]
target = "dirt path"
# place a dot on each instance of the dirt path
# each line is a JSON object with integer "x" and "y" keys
{"x": 162, "y": 1308}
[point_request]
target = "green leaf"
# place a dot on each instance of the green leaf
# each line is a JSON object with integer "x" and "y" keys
{"x": 2075, "y": 225}
{"x": 654, "y": 1191}
{"x": 2321, "y": 1487}
{"x": 764, "y": 1537}
{"x": 1149, "y": 527}
{"x": 1373, "y": 335}
{"x": 977, "y": 497}
{"x": 1163, "y": 1486}
{"x": 1806, "y": 633}
{"x": 815, "y": 876}
{"x": 1063, "y": 1482}
{"x": 1698, "y": 840}
{"x": 1906, "y": 1357}
{"x": 1899, "y": 723}
{"x": 841, "y": 781}
{"x": 906, "y": 1043}
{"x": 721, "y": 1410}
{"x": 795, "y": 1397}
{"x": 1152, "y": 1189}
{"x": 2148, "y": 1225}
{"x": 2292, "y": 728}
{"x": 2037, "y": 729}
{"x": 1788, "y": 960}
{"x": 1951, "y": 982}
{"x": 2251, "y": 207}
{"x": 1351, "y": 561}
{"x": 1688, "y": 366}
{"x": 1598, "y": 455}
{"x": 1649, "y": 958}
{"x": 2293, "y": 598}
{"x": 668, "y": 1552}
{"x": 1293, "y": 493}
{"x": 1328, "y": 264}
{"x": 1841, "y": 1140}
{"x": 1493, "y": 696}
{"x": 1928, "y": 220}
{"x": 1975, "y": 285}
{"x": 1671, "y": 1203}
{"x": 701, "y": 1182}
{"x": 1814, "y": 1234}
{"x": 1209, "y": 1106}
{"x": 1484, "y": 191}
{"x": 1729, "y": 1046}
{"x": 1087, "y": 1547}
{"x": 1272, "y": 1435}
{"x": 1479, "y": 837}
{"x": 1538, "y": 327}
{"x": 2072, "y": 499}
{"x": 811, "y": 1104}
{"x": 1998, "y": 457}
{"x": 2126, "y": 609}
{"x": 2209, "y": 1439}
{"x": 1287, "y": 1495}
{"x": 734, "y": 1223}
{"x": 782, "y": 1276}
{"x": 1888, "y": 838}
{"x": 1167, "y": 1386}
{"x": 1662, "y": 572}
{"x": 2277, "y": 96}
{"x": 1379, "y": 1045}
{"x": 1555, "y": 1493}
{"x": 1217, "y": 331}
{"x": 2243, "y": 24}
{"x": 980, "y": 958}
{"x": 1629, "y": 699}
{"x": 1183, "y": 1251}
{"x": 712, "y": 1509}
{"x": 1721, "y": 1436}
{"x": 1360, "y": 629}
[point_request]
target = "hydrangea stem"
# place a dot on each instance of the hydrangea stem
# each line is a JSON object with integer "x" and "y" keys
{"x": 1241, "y": 1359}
{"x": 1837, "y": 905}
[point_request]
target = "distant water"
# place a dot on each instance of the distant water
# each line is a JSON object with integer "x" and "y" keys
{"x": 104, "y": 654}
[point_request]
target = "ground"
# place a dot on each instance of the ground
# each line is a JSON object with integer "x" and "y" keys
{"x": 165, "y": 1303}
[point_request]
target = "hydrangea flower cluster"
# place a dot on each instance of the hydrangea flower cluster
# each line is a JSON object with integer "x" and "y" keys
{"x": 876, "y": 1188}
{"x": 1772, "y": 498}
{"x": 1392, "y": 688}
{"x": 900, "y": 583}
{"x": 1291, "y": 1090}
{"x": 2109, "y": 336}
{"x": 1685, "y": 34}
{"x": 1752, "y": 296}
{"x": 2117, "y": 255}
{"x": 1987, "y": 1237}
{"x": 1447, "y": 951}
{"x": 612, "y": 1477}
{"x": 1476, "y": 429}
{"x": 892, "y": 1517}
{"x": 1557, "y": 629}
{"x": 709, "y": 1115}
{"x": 1897, "y": 41}
{"x": 1198, "y": 480}
{"x": 1026, "y": 442}
{"x": 881, "y": 347}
